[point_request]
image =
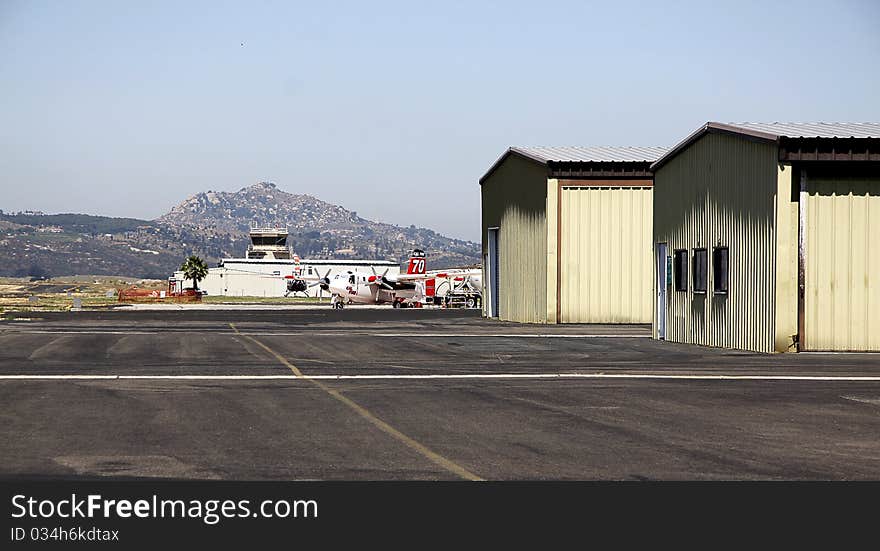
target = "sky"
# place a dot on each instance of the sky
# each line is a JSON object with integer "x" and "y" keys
{"x": 391, "y": 109}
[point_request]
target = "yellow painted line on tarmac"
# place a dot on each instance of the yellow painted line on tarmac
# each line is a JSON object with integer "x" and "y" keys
{"x": 278, "y": 356}
{"x": 409, "y": 442}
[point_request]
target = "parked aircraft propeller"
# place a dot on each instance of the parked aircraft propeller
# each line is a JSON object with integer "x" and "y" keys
{"x": 324, "y": 282}
{"x": 381, "y": 280}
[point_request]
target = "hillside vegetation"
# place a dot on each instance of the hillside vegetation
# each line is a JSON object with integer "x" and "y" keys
{"x": 213, "y": 225}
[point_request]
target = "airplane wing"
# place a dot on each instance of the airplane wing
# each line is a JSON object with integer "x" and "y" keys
{"x": 407, "y": 278}
{"x": 433, "y": 275}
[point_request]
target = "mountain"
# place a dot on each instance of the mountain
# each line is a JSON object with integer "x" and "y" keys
{"x": 213, "y": 225}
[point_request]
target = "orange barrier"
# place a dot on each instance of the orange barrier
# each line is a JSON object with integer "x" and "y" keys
{"x": 135, "y": 294}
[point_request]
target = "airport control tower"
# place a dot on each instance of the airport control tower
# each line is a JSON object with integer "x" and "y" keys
{"x": 269, "y": 244}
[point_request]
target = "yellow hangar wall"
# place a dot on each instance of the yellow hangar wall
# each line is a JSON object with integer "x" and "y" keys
{"x": 514, "y": 199}
{"x": 722, "y": 190}
{"x": 604, "y": 251}
{"x": 842, "y": 268}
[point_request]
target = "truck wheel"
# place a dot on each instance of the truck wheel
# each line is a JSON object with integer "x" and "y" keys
{"x": 471, "y": 303}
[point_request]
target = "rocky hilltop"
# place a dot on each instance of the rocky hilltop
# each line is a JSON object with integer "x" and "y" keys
{"x": 317, "y": 229}
{"x": 261, "y": 204}
{"x": 214, "y": 225}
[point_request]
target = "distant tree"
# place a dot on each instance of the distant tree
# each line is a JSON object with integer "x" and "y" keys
{"x": 194, "y": 268}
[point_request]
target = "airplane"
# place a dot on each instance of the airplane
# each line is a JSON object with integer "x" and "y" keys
{"x": 401, "y": 290}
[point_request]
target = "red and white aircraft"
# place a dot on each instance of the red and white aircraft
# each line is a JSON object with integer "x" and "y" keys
{"x": 401, "y": 290}
{"x": 355, "y": 287}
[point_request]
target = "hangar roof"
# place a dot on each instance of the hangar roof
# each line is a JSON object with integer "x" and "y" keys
{"x": 813, "y": 129}
{"x": 779, "y": 131}
{"x": 578, "y": 154}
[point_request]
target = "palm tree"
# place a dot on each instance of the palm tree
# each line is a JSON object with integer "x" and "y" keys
{"x": 194, "y": 268}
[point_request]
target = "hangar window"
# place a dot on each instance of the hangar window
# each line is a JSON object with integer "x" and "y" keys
{"x": 720, "y": 262}
{"x": 680, "y": 267}
{"x": 701, "y": 270}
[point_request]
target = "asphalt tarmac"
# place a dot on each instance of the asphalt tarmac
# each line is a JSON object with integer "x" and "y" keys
{"x": 417, "y": 394}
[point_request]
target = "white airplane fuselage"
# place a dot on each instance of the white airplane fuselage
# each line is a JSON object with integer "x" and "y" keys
{"x": 356, "y": 288}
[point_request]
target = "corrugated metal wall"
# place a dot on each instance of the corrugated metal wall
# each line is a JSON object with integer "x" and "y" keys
{"x": 720, "y": 191}
{"x": 514, "y": 199}
{"x": 605, "y": 254}
{"x": 786, "y": 228}
{"x": 842, "y": 298}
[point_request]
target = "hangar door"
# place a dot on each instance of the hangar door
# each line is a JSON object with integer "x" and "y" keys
{"x": 605, "y": 269}
{"x": 842, "y": 295}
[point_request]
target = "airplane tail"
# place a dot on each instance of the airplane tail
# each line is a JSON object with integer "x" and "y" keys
{"x": 416, "y": 262}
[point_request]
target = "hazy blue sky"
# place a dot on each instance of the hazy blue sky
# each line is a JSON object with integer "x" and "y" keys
{"x": 392, "y": 109}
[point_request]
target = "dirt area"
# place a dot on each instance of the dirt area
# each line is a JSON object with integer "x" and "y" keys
{"x": 58, "y": 294}
{"x": 22, "y": 294}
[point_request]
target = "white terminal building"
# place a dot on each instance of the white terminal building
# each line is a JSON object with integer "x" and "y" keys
{"x": 268, "y": 265}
